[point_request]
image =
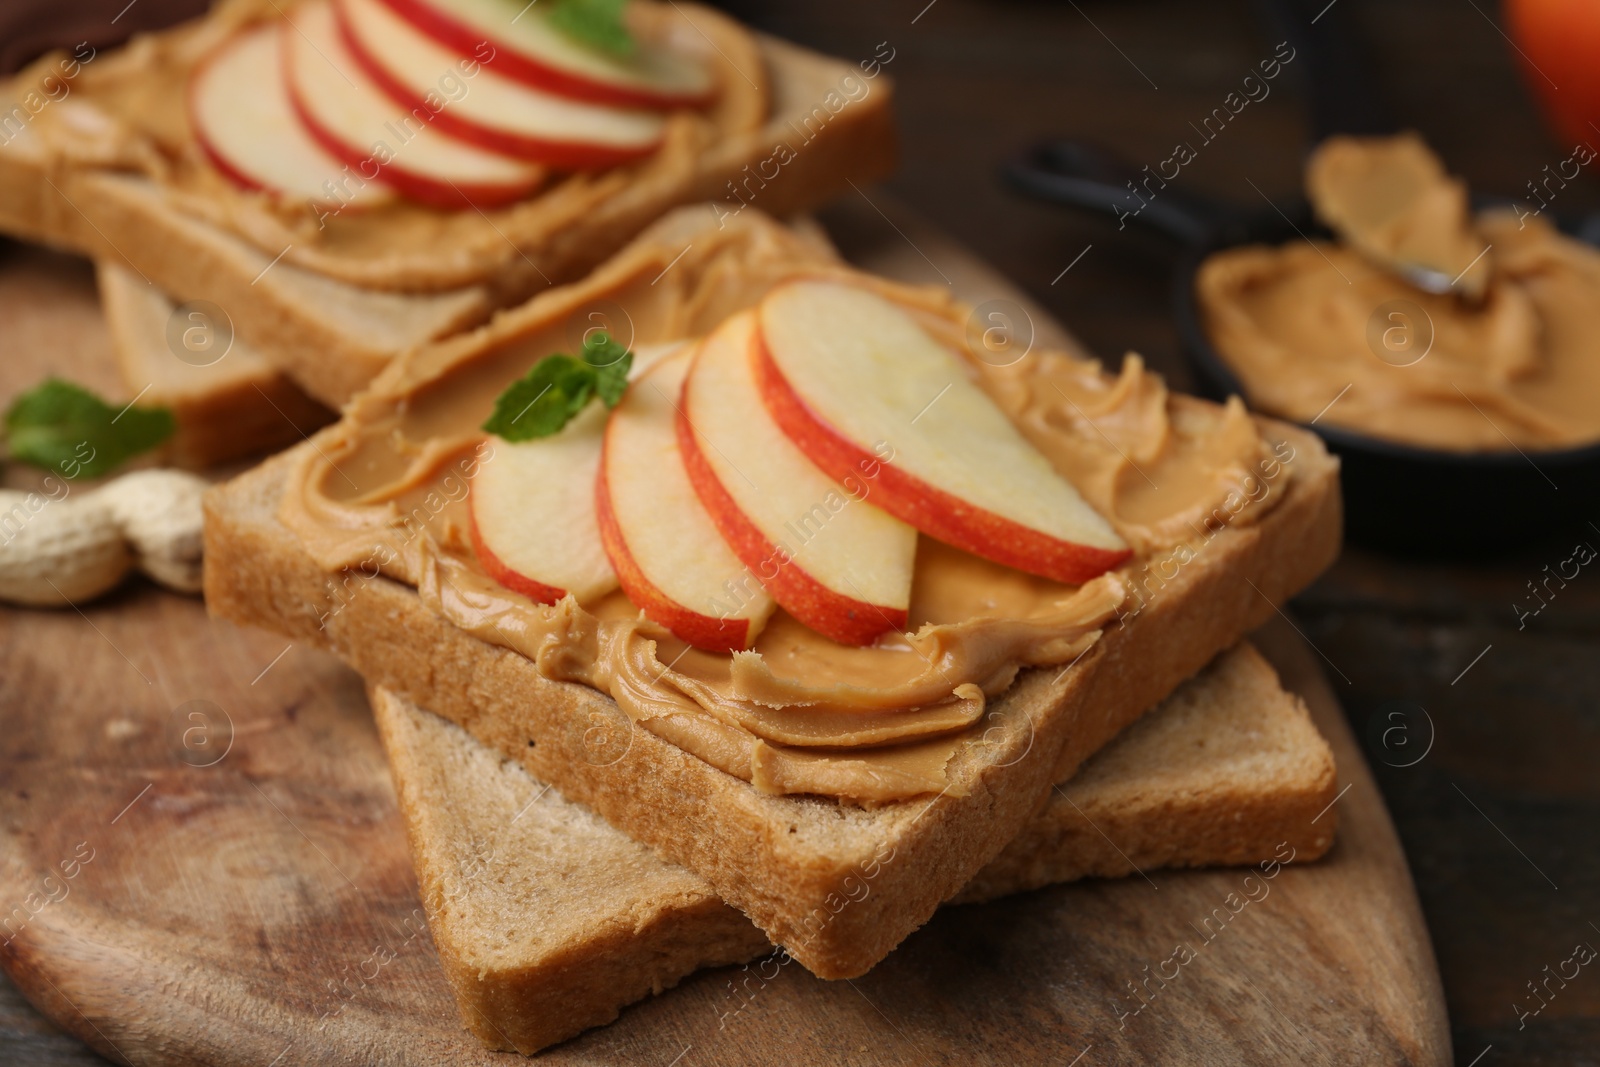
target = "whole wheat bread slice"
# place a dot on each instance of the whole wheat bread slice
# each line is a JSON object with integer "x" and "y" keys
{"x": 234, "y": 407}
{"x": 241, "y": 405}
{"x": 331, "y": 326}
{"x": 795, "y": 864}
{"x": 329, "y": 336}
{"x": 548, "y": 920}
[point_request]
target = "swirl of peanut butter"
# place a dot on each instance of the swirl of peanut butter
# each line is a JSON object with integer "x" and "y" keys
{"x": 385, "y": 492}
{"x": 1335, "y": 330}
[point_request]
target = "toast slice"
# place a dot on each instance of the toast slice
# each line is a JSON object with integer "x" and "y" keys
{"x": 330, "y": 337}
{"x": 548, "y": 920}
{"x": 331, "y": 313}
{"x": 795, "y": 864}
{"x": 240, "y": 406}
{"x": 228, "y": 406}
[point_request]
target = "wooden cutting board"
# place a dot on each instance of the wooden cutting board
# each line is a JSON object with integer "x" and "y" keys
{"x": 202, "y": 860}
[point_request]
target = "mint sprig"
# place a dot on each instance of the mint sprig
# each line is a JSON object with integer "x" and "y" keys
{"x": 559, "y": 386}
{"x": 595, "y": 23}
{"x": 65, "y": 427}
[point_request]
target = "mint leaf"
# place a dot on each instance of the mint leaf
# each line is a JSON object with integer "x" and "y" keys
{"x": 595, "y": 23}
{"x": 545, "y": 399}
{"x": 611, "y": 362}
{"x": 65, "y": 427}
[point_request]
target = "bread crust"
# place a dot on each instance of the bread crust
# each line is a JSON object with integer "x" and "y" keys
{"x": 224, "y": 411}
{"x": 536, "y": 955}
{"x": 838, "y": 886}
{"x": 644, "y": 926}
{"x": 1223, "y": 824}
{"x": 320, "y": 332}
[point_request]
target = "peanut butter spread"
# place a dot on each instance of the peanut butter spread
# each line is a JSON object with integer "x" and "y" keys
{"x": 1335, "y": 328}
{"x": 126, "y": 111}
{"x": 385, "y": 491}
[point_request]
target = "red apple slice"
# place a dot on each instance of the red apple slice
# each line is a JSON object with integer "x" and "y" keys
{"x": 532, "y": 506}
{"x": 352, "y": 118}
{"x": 533, "y": 521}
{"x": 486, "y": 109}
{"x": 849, "y": 376}
{"x": 244, "y": 123}
{"x": 835, "y": 562}
{"x": 668, "y": 555}
{"x": 526, "y": 48}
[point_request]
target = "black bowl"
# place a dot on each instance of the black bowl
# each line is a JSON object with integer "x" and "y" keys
{"x": 1397, "y": 497}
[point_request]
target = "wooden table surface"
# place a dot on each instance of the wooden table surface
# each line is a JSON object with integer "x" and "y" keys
{"x": 1498, "y": 816}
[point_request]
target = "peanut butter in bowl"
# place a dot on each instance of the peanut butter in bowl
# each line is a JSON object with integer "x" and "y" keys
{"x": 1346, "y": 332}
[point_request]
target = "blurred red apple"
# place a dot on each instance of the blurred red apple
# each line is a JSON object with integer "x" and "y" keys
{"x": 1559, "y": 41}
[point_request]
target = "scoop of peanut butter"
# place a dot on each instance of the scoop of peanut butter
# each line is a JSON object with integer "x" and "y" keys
{"x": 1390, "y": 199}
